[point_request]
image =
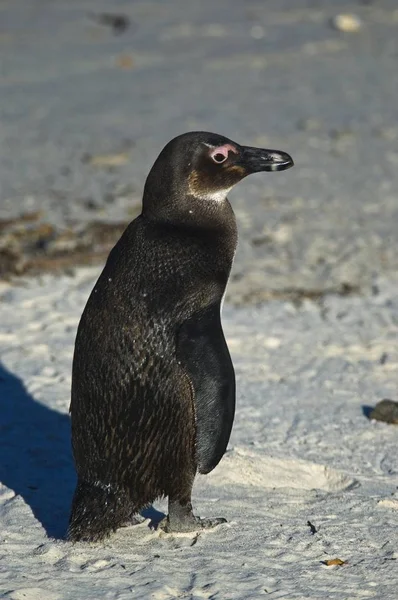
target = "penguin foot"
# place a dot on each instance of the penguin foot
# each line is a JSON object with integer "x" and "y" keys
{"x": 187, "y": 525}
{"x": 182, "y": 520}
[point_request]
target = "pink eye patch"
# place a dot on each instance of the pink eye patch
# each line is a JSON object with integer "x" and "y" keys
{"x": 220, "y": 153}
{"x": 223, "y": 151}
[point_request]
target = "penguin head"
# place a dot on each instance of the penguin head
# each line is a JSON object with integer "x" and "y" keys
{"x": 203, "y": 167}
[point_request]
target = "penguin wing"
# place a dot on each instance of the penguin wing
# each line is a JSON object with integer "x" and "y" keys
{"x": 203, "y": 353}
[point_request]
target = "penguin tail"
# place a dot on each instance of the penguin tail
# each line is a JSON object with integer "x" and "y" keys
{"x": 97, "y": 511}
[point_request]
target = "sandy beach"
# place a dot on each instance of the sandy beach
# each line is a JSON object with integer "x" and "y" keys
{"x": 302, "y": 451}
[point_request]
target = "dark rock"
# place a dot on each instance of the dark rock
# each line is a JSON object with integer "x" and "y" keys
{"x": 387, "y": 411}
{"x": 118, "y": 23}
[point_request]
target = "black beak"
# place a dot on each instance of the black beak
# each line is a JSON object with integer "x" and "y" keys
{"x": 259, "y": 159}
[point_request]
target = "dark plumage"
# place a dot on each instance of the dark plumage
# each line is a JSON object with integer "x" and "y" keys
{"x": 153, "y": 386}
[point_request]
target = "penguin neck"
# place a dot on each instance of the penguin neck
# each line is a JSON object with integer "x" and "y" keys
{"x": 213, "y": 213}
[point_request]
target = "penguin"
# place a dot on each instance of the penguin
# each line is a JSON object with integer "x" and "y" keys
{"x": 153, "y": 385}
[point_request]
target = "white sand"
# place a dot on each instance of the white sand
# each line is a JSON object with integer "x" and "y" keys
{"x": 301, "y": 450}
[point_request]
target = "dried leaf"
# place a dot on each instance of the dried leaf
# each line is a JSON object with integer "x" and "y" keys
{"x": 334, "y": 561}
{"x": 109, "y": 160}
{"x": 125, "y": 61}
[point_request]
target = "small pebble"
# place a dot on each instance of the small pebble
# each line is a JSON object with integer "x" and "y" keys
{"x": 310, "y": 124}
{"x": 347, "y": 23}
{"x": 272, "y": 342}
{"x": 257, "y": 32}
{"x": 214, "y": 30}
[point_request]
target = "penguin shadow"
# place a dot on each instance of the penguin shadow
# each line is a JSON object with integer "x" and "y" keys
{"x": 155, "y": 516}
{"x": 367, "y": 410}
{"x": 35, "y": 454}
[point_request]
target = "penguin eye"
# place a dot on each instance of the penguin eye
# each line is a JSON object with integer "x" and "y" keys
{"x": 219, "y": 158}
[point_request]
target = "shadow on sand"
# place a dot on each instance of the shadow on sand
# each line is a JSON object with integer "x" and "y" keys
{"x": 366, "y": 411}
{"x": 35, "y": 454}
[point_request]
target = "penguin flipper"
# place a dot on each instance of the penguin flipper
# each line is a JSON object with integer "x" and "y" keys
{"x": 203, "y": 353}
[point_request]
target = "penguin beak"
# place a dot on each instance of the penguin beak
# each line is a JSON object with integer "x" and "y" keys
{"x": 259, "y": 159}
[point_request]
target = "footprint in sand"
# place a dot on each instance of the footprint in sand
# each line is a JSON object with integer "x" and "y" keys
{"x": 243, "y": 467}
{"x": 388, "y": 503}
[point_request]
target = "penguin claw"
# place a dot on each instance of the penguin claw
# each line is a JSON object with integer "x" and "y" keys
{"x": 187, "y": 526}
{"x": 209, "y": 523}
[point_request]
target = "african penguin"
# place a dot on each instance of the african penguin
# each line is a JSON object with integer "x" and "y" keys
{"x": 153, "y": 385}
